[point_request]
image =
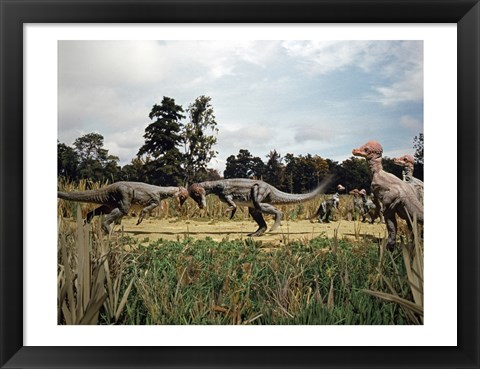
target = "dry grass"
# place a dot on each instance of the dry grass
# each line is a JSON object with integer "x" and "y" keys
{"x": 412, "y": 254}
{"x": 90, "y": 270}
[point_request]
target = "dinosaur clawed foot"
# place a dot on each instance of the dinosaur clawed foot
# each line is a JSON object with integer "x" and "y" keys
{"x": 390, "y": 246}
{"x": 232, "y": 211}
{"x": 274, "y": 227}
{"x": 106, "y": 229}
{"x": 258, "y": 232}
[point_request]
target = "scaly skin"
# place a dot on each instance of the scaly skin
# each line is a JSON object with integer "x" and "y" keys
{"x": 257, "y": 195}
{"x": 118, "y": 198}
{"x": 395, "y": 195}
{"x": 407, "y": 163}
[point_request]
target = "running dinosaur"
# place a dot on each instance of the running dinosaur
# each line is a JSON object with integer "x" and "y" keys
{"x": 326, "y": 207}
{"x": 407, "y": 163}
{"x": 118, "y": 198}
{"x": 258, "y": 195}
{"x": 395, "y": 195}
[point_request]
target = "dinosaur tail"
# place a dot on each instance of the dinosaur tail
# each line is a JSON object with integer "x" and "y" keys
{"x": 93, "y": 196}
{"x": 283, "y": 198}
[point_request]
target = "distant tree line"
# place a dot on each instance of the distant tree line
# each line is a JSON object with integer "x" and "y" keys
{"x": 177, "y": 153}
{"x": 297, "y": 174}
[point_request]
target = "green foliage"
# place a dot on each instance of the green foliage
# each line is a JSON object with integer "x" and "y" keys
{"x": 418, "y": 146}
{"x": 88, "y": 159}
{"x": 244, "y": 165}
{"x": 274, "y": 169}
{"x": 198, "y": 145}
{"x": 163, "y": 135}
{"x": 67, "y": 161}
{"x": 162, "y": 141}
{"x": 390, "y": 166}
{"x": 245, "y": 282}
{"x": 354, "y": 173}
{"x": 304, "y": 173}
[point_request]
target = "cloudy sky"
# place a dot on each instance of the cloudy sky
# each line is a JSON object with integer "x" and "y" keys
{"x": 299, "y": 97}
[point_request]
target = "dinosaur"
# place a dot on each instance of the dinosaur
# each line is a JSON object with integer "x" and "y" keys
{"x": 407, "y": 163}
{"x": 325, "y": 209}
{"x": 118, "y": 198}
{"x": 357, "y": 203}
{"x": 257, "y": 195}
{"x": 395, "y": 195}
{"x": 368, "y": 207}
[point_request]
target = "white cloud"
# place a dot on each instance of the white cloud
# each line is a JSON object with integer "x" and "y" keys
{"x": 264, "y": 93}
{"x": 328, "y": 56}
{"x": 411, "y": 123}
{"x": 407, "y": 89}
{"x": 396, "y": 67}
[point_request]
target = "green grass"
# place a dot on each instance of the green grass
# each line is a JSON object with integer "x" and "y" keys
{"x": 205, "y": 282}
{"x": 246, "y": 282}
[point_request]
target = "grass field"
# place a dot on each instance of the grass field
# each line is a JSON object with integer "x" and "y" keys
{"x": 189, "y": 267}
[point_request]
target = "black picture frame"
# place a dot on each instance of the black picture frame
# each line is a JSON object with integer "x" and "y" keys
{"x": 15, "y": 13}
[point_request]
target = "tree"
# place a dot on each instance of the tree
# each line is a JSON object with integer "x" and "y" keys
{"x": 94, "y": 161}
{"x": 418, "y": 146}
{"x": 304, "y": 173}
{"x": 208, "y": 174}
{"x": 111, "y": 169}
{"x": 162, "y": 141}
{"x": 134, "y": 171}
{"x": 390, "y": 166}
{"x": 198, "y": 145}
{"x": 67, "y": 161}
{"x": 244, "y": 165}
{"x": 274, "y": 169}
{"x": 335, "y": 170}
{"x": 354, "y": 173}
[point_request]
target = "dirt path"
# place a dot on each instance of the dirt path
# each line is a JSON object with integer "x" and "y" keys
{"x": 171, "y": 229}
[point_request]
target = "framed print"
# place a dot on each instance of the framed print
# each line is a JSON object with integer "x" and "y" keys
{"x": 35, "y": 335}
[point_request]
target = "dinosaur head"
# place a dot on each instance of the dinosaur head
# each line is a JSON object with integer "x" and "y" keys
{"x": 371, "y": 150}
{"x": 405, "y": 161}
{"x": 198, "y": 194}
{"x": 354, "y": 192}
{"x": 182, "y": 195}
{"x": 340, "y": 188}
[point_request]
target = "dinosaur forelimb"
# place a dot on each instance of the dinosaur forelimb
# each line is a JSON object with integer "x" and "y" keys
{"x": 146, "y": 211}
{"x": 232, "y": 207}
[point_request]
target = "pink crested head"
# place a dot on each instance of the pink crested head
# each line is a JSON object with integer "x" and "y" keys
{"x": 371, "y": 150}
{"x": 182, "y": 195}
{"x": 197, "y": 193}
{"x": 405, "y": 160}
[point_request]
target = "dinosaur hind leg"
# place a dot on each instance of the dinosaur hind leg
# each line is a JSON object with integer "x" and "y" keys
{"x": 270, "y": 209}
{"x": 257, "y": 216}
{"x": 104, "y": 209}
{"x": 391, "y": 223}
{"x": 115, "y": 215}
